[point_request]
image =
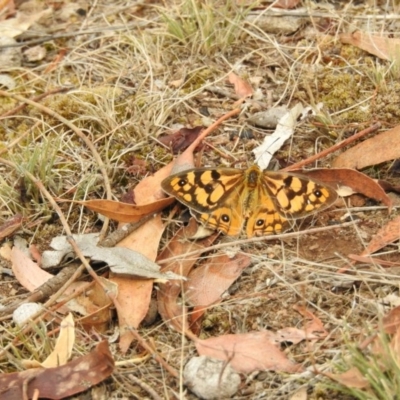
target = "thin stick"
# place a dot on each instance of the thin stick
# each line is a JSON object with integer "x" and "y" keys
{"x": 211, "y": 128}
{"x": 121, "y": 233}
{"x": 145, "y": 387}
{"x": 281, "y": 236}
{"x": 100, "y": 29}
{"x": 37, "y": 98}
{"x": 186, "y": 159}
{"x": 45, "y": 291}
{"x": 332, "y": 149}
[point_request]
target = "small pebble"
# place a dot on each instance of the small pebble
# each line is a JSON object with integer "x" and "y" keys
{"x": 25, "y": 311}
{"x": 210, "y": 378}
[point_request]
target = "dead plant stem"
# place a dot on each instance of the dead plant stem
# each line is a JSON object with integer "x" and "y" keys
{"x": 258, "y": 239}
{"x": 36, "y": 99}
{"x": 332, "y": 149}
{"x": 211, "y": 128}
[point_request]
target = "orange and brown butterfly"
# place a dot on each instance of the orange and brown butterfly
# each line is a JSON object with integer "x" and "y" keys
{"x": 227, "y": 199}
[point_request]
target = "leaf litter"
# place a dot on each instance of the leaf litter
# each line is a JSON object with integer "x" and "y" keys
{"x": 238, "y": 342}
{"x": 120, "y": 260}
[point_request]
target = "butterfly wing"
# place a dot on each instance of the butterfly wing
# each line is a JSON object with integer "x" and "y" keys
{"x": 214, "y": 195}
{"x": 297, "y": 196}
{"x": 223, "y": 198}
{"x": 265, "y": 219}
{"x": 286, "y": 196}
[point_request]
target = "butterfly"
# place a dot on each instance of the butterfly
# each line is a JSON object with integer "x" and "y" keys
{"x": 261, "y": 202}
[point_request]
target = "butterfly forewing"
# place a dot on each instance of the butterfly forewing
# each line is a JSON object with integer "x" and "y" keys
{"x": 297, "y": 196}
{"x": 212, "y": 194}
{"x": 203, "y": 189}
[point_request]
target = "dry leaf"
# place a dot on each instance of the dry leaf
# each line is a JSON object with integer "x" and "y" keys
{"x": 120, "y": 260}
{"x": 182, "y": 139}
{"x": 168, "y": 293}
{"x": 57, "y": 383}
{"x": 133, "y": 300}
{"x": 208, "y": 282}
{"x": 376, "y": 150}
{"x": 248, "y": 352}
{"x": 386, "y": 235}
{"x": 145, "y": 239}
{"x": 352, "y": 378}
{"x": 65, "y": 342}
{"x": 26, "y": 271}
{"x": 314, "y": 325}
{"x": 391, "y": 321}
{"x": 148, "y": 190}
{"x": 9, "y": 227}
{"x": 130, "y": 313}
{"x": 242, "y": 88}
{"x": 272, "y": 143}
{"x": 94, "y": 304}
{"x": 125, "y": 212}
{"x": 133, "y": 303}
{"x": 295, "y": 335}
{"x": 373, "y": 260}
{"x": 382, "y": 47}
{"x": 134, "y": 295}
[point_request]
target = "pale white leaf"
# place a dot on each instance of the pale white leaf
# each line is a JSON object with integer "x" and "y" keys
{"x": 274, "y": 142}
{"x": 119, "y": 259}
{"x": 25, "y": 311}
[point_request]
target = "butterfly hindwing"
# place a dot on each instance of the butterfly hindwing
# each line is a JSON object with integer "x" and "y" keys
{"x": 229, "y": 220}
{"x": 265, "y": 218}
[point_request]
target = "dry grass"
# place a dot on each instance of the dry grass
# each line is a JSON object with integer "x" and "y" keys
{"x": 123, "y": 95}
